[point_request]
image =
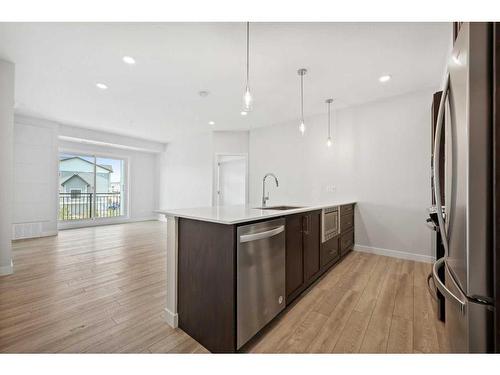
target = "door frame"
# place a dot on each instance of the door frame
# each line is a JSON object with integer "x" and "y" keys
{"x": 215, "y": 175}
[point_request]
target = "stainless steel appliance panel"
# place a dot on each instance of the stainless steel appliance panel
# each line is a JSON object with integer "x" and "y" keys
{"x": 260, "y": 276}
{"x": 469, "y": 210}
{"x": 456, "y": 326}
{"x": 468, "y": 327}
{"x": 466, "y": 234}
{"x": 329, "y": 223}
{"x": 456, "y": 159}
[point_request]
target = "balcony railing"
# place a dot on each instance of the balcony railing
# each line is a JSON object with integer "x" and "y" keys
{"x": 81, "y": 206}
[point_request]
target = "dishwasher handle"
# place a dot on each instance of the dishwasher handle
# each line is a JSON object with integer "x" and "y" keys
{"x": 261, "y": 235}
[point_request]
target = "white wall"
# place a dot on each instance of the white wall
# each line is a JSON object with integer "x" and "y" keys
{"x": 36, "y": 147}
{"x": 380, "y": 157}
{"x": 227, "y": 142}
{"x": 187, "y": 167}
{"x": 35, "y": 178}
{"x": 186, "y": 174}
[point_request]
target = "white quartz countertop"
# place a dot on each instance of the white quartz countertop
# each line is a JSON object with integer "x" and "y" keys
{"x": 242, "y": 214}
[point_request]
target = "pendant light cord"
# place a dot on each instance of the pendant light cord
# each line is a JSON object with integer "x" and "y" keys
{"x": 302, "y": 97}
{"x": 329, "y": 126}
{"x": 248, "y": 51}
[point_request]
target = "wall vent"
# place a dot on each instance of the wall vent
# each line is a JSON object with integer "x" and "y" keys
{"x": 26, "y": 230}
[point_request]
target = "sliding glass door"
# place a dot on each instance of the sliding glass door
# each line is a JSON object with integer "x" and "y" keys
{"x": 91, "y": 187}
{"x": 109, "y": 187}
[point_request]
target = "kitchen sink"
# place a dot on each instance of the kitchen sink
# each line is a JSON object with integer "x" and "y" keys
{"x": 280, "y": 208}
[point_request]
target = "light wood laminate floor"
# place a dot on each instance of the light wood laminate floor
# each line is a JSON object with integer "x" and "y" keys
{"x": 102, "y": 290}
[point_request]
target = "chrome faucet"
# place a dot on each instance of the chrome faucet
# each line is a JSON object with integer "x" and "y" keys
{"x": 264, "y": 197}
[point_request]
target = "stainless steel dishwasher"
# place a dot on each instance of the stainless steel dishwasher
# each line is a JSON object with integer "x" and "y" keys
{"x": 260, "y": 276}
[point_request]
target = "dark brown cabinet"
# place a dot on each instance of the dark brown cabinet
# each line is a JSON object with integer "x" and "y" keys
{"x": 311, "y": 239}
{"x": 346, "y": 209}
{"x": 346, "y": 242}
{"x": 346, "y": 228}
{"x": 330, "y": 251}
{"x": 307, "y": 258}
{"x": 207, "y": 271}
{"x": 206, "y": 283}
{"x": 302, "y": 251}
{"x": 346, "y": 222}
{"x": 294, "y": 254}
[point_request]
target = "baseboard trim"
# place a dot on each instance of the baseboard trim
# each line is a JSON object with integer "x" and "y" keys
{"x": 7, "y": 270}
{"x": 48, "y": 233}
{"x": 171, "y": 318}
{"x": 394, "y": 253}
{"x": 94, "y": 223}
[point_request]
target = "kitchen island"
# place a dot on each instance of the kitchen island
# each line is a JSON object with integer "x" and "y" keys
{"x": 222, "y": 287}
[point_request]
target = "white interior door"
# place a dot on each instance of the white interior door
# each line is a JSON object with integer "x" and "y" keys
{"x": 231, "y": 180}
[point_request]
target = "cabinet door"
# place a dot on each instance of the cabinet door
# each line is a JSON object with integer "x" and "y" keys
{"x": 294, "y": 256}
{"x": 311, "y": 228}
{"x": 346, "y": 241}
{"x": 329, "y": 250}
{"x": 346, "y": 222}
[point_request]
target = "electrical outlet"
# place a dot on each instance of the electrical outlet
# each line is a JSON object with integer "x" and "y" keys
{"x": 330, "y": 188}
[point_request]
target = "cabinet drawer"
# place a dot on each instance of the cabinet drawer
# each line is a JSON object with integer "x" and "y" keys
{"x": 346, "y": 222}
{"x": 346, "y": 241}
{"x": 346, "y": 209}
{"x": 330, "y": 250}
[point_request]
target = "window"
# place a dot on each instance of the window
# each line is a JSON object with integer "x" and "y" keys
{"x": 76, "y": 193}
{"x": 90, "y": 187}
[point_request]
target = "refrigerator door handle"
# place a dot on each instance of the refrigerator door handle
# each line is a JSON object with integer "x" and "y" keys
{"x": 435, "y": 164}
{"x": 442, "y": 288}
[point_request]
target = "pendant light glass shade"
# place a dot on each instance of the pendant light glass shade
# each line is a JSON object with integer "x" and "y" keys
{"x": 247, "y": 96}
{"x": 302, "y": 127}
{"x": 247, "y": 100}
{"x": 329, "y": 139}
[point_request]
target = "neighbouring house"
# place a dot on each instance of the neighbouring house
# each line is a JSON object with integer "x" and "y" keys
{"x": 76, "y": 176}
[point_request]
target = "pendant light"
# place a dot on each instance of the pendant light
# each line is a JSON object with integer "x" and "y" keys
{"x": 329, "y": 139}
{"x": 247, "y": 96}
{"x": 302, "y": 72}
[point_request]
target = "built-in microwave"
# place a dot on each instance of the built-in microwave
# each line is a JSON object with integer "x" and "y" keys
{"x": 329, "y": 223}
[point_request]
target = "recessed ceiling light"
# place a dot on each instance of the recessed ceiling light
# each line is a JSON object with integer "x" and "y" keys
{"x": 244, "y": 113}
{"x": 128, "y": 60}
{"x": 203, "y": 93}
{"x": 384, "y": 78}
{"x": 101, "y": 86}
{"x": 211, "y": 123}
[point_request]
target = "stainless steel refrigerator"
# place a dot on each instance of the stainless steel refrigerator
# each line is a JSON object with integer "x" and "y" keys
{"x": 465, "y": 217}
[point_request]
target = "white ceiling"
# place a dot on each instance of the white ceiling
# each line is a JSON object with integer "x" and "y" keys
{"x": 58, "y": 64}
